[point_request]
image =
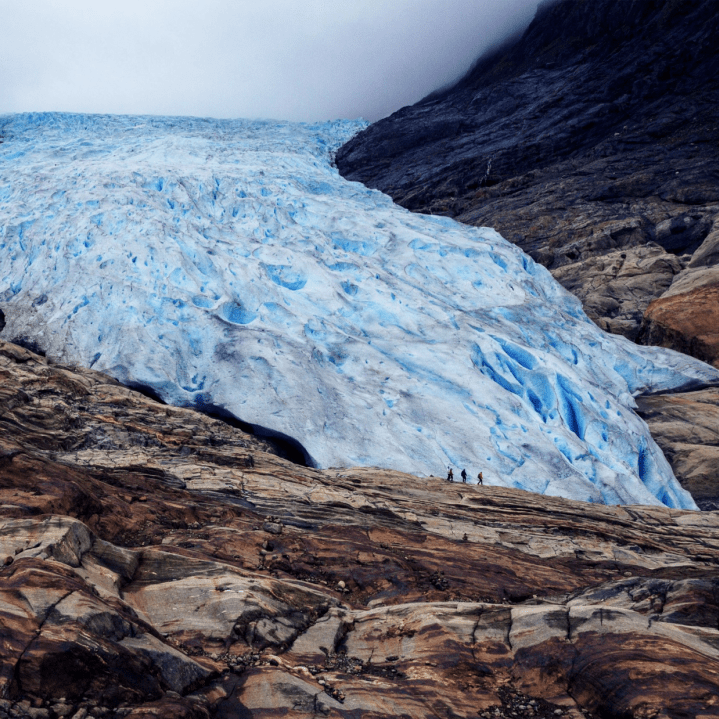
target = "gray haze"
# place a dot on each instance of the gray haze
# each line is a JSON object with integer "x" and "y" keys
{"x": 291, "y": 59}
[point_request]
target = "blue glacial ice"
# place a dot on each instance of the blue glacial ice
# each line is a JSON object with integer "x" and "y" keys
{"x": 226, "y": 264}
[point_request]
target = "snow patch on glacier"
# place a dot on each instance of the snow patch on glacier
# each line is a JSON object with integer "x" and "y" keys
{"x": 226, "y": 264}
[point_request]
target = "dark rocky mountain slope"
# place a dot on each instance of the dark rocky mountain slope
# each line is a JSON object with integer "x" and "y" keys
{"x": 155, "y": 562}
{"x": 593, "y": 143}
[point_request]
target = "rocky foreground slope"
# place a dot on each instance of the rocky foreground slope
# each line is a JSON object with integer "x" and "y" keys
{"x": 592, "y": 143}
{"x": 157, "y": 562}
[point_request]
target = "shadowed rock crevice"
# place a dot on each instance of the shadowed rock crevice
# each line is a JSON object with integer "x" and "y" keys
{"x": 147, "y": 391}
{"x": 284, "y": 446}
{"x": 28, "y": 344}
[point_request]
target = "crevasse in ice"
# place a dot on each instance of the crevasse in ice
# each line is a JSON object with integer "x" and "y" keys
{"x": 226, "y": 264}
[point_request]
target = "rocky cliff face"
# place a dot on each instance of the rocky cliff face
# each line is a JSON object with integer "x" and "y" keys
{"x": 592, "y": 143}
{"x": 159, "y": 563}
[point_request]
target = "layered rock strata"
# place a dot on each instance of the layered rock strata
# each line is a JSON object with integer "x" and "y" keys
{"x": 157, "y": 562}
{"x": 591, "y": 142}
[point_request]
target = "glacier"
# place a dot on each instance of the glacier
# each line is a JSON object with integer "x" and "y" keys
{"x": 227, "y": 266}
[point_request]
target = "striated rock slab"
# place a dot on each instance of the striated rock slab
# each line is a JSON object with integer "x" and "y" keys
{"x": 159, "y": 563}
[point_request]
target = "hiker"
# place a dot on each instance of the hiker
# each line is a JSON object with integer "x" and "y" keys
{"x": 450, "y": 475}
{"x": 464, "y": 476}
{"x": 479, "y": 478}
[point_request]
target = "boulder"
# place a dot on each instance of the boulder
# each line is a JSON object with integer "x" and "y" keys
{"x": 686, "y": 321}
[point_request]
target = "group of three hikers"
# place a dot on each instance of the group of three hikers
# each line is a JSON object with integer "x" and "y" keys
{"x": 450, "y": 476}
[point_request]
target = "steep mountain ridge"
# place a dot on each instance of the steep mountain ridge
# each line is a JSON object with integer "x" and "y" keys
{"x": 592, "y": 143}
{"x": 564, "y": 29}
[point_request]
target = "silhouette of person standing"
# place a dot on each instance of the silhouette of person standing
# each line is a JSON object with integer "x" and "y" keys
{"x": 479, "y": 478}
{"x": 464, "y": 476}
{"x": 450, "y": 474}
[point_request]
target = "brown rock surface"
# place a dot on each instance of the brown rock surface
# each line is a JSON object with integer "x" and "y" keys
{"x": 157, "y": 571}
{"x": 686, "y": 315}
{"x": 686, "y": 427}
{"x": 688, "y": 322}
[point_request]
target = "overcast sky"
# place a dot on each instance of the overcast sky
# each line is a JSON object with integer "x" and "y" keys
{"x": 290, "y": 59}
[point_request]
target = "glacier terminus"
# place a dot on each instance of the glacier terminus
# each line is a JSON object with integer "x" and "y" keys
{"x": 227, "y": 266}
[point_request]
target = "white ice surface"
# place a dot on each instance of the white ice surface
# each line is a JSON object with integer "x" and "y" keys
{"x": 226, "y": 263}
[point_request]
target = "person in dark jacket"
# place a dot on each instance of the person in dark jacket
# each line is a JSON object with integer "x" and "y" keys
{"x": 464, "y": 476}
